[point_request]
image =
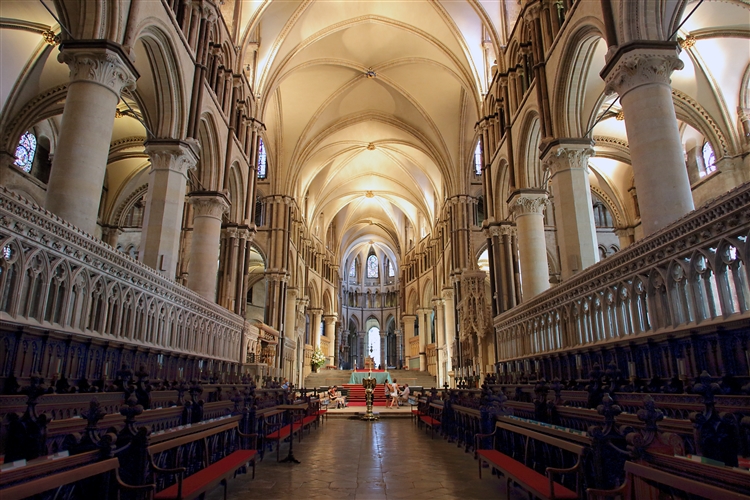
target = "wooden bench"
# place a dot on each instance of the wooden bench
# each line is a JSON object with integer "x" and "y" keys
{"x": 217, "y": 457}
{"x": 641, "y": 478}
{"x": 468, "y": 423}
{"x": 432, "y": 419}
{"x": 537, "y": 484}
{"x": 420, "y": 410}
{"x": 83, "y": 473}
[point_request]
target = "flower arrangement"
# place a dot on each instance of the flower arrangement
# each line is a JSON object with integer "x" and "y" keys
{"x": 318, "y": 358}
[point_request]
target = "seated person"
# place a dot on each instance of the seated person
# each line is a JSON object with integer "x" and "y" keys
{"x": 335, "y": 397}
{"x": 403, "y": 397}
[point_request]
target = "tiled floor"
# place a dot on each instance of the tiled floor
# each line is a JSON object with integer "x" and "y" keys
{"x": 352, "y": 459}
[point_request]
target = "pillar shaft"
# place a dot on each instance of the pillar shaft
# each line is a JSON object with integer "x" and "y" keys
{"x": 315, "y": 319}
{"x": 528, "y": 212}
{"x": 329, "y": 322}
{"x": 99, "y": 70}
{"x": 640, "y": 73}
{"x": 567, "y": 161}
{"x": 162, "y": 220}
{"x": 204, "y": 249}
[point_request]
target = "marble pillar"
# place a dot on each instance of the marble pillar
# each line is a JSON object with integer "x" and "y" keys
{"x": 568, "y": 163}
{"x": 408, "y": 321}
{"x": 162, "y": 220}
{"x": 424, "y": 333}
{"x": 528, "y": 212}
{"x": 449, "y": 309}
{"x": 315, "y": 319}
{"x": 99, "y": 70}
{"x": 439, "y": 307}
{"x": 208, "y": 208}
{"x": 640, "y": 73}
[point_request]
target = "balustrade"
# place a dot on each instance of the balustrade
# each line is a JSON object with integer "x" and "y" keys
{"x": 691, "y": 274}
{"x": 55, "y": 277}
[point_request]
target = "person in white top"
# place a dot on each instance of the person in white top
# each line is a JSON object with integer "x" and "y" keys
{"x": 393, "y": 394}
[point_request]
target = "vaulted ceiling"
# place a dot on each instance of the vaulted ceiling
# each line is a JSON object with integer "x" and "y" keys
{"x": 370, "y": 107}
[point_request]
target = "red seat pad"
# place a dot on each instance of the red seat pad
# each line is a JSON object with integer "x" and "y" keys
{"x": 430, "y": 421}
{"x": 416, "y": 412}
{"x": 309, "y": 419}
{"x": 280, "y": 434}
{"x": 199, "y": 480}
{"x": 529, "y": 477}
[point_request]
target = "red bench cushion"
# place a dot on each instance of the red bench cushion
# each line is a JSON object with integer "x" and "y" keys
{"x": 280, "y": 434}
{"x": 214, "y": 472}
{"x": 430, "y": 421}
{"x": 309, "y": 419}
{"x": 529, "y": 477}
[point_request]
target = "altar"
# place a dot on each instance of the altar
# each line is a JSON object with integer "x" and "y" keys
{"x": 380, "y": 377}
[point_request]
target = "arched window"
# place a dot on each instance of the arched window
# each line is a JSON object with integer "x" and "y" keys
{"x": 709, "y": 160}
{"x": 262, "y": 160}
{"x": 602, "y": 216}
{"x": 353, "y": 270}
{"x": 391, "y": 271}
{"x": 134, "y": 216}
{"x": 478, "y": 158}
{"x": 372, "y": 266}
{"x": 258, "y": 211}
{"x": 25, "y": 152}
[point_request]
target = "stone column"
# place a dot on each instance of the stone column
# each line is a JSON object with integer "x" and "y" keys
{"x": 399, "y": 348}
{"x": 626, "y": 235}
{"x": 408, "y": 320}
{"x": 208, "y": 208}
{"x": 162, "y": 220}
{"x": 450, "y": 328}
{"x": 329, "y": 321}
{"x": 110, "y": 235}
{"x": 315, "y": 319}
{"x": 439, "y": 306}
{"x": 383, "y": 347}
{"x": 528, "y": 212}
{"x": 290, "y": 321}
{"x": 568, "y": 163}
{"x": 423, "y": 315}
{"x": 99, "y": 70}
{"x": 640, "y": 73}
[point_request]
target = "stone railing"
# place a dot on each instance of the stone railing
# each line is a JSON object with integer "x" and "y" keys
{"x": 57, "y": 278}
{"x": 690, "y": 276}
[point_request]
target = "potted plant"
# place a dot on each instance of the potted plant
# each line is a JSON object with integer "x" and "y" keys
{"x": 318, "y": 359}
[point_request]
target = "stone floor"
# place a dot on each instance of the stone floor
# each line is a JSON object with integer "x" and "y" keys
{"x": 352, "y": 459}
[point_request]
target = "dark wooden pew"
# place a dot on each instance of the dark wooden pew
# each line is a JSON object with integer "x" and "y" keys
{"x": 518, "y": 453}
{"x": 190, "y": 461}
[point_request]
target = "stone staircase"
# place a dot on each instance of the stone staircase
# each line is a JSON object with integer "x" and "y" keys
{"x": 327, "y": 378}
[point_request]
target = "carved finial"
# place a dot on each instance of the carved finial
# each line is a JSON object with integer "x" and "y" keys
{"x": 609, "y": 410}
{"x": 706, "y": 388}
{"x": 93, "y": 415}
{"x": 650, "y": 415}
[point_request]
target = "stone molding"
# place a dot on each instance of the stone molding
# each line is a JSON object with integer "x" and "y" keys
{"x": 528, "y": 202}
{"x": 209, "y": 204}
{"x": 172, "y": 154}
{"x": 637, "y": 64}
{"x": 103, "y": 63}
{"x": 498, "y": 230}
{"x": 561, "y": 155}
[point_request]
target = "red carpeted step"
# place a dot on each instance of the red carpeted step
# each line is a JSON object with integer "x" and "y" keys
{"x": 357, "y": 393}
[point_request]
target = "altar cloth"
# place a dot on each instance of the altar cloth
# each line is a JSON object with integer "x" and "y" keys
{"x": 380, "y": 377}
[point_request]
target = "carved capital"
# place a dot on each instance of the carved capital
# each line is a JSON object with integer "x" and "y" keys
{"x": 639, "y": 64}
{"x": 171, "y": 154}
{"x": 528, "y": 202}
{"x": 102, "y": 63}
{"x": 560, "y": 156}
{"x": 330, "y": 319}
{"x": 209, "y": 204}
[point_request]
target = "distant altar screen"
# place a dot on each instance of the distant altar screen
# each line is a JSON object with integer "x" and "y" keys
{"x": 369, "y": 363}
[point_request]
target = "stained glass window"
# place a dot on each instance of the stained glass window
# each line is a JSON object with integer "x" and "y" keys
{"x": 709, "y": 160}
{"x": 25, "y": 152}
{"x": 391, "y": 271}
{"x": 262, "y": 160}
{"x": 353, "y": 270}
{"x": 372, "y": 266}
{"x": 478, "y": 158}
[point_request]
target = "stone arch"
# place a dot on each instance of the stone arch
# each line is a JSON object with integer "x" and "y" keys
{"x": 236, "y": 193}
{"x": 165, "y": 106}
{"x": 570, "y": 85}
{"x": 327, "y": 303}
{"x": 208, "y": 171}
{"x": 531, "y": 175}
